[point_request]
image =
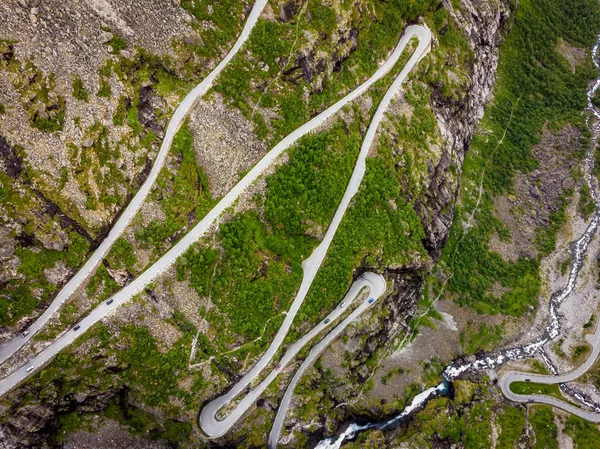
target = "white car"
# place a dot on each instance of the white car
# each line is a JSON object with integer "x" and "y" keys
{"x": 29, "y": 369}
{"x": 25, "y": 334}
{"x": 342, "y": 304}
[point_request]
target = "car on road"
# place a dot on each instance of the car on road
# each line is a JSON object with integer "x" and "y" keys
{"x": 527, "y": 380}
{"x": 278, "y": 366}
{"x": 76, "y": 328}
{"x": 29, "y": 368}
{"x": 109, "y": 302}
{"x": 371, "y": 300}
{"x": 327, "y": 320}
{"x": 25, "y": 334}
{"x": 342, "y": 304}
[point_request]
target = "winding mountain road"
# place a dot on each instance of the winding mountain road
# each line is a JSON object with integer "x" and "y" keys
{"x": 310, "y": 265}
{"x": 214, "y": 427}
{"x": 8, "y": 349}
{"x": 506, "y": 380}
{"x": 315, "y": 352}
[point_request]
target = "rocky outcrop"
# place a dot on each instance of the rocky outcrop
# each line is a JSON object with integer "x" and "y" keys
{"x": 484, "y": 24}
{"x": 12, "y": 164}
{"x": 149, "y": 101}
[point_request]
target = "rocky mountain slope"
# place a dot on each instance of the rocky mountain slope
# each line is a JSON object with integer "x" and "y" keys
{"x": 85, "y": 93}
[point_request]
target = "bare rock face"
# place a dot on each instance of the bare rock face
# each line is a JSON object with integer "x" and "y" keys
{"x": 483, "y": 23}
{"x": 10, "y": 160}
{"x": 149, "y": 100}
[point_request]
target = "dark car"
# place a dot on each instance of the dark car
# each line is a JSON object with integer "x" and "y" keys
{"x": 76, "y": 328}
{"x": 327, "y": 320}
{"x": 110, "y": 301}
{"x": 371, "y": 300}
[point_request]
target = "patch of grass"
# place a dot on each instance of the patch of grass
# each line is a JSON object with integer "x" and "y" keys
{"x": 485, "y": 338}
{"x": 225, "y": 15}
{"x": 122, "y": 255}
{"x": 579, "y": 351}
{"x": 180, "y": 195}
{"x": 535, "y": 388}
{"x": 585, "y": 434}
{"x": 104, "y": 90}
{"x": 586, "y": 205}
{"x": 21, "y": 296}
{"x": 271, "y": 43}
{"x": 101, "y": 285}
{"x": 512, "y": 424}
{"x": 541, "y": 419}
{"x": 117, "y": 43}
{"x": 79, "y": 90}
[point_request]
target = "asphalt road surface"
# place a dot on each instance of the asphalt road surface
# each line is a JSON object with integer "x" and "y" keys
{"x": 208, "y": 420}
{"x": 182, "y": 110}
{"x": 514, "y": 376}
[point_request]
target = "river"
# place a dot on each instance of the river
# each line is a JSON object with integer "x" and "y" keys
{"x": 578, "y": 250}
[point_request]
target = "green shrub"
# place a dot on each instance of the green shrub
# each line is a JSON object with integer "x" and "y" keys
{"x": 79, "y": 91}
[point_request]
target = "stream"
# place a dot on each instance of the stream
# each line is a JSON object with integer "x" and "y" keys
{"x": 578, "y": 250}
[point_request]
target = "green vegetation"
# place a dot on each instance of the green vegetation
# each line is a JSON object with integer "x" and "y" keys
{"x": 122, "y": 255}
{"x": 274, "y": 43}
{"x": 541, "y": 419}
{"x": 257, "y": 275}
{"x": 391, "y": 373}
{"x": 225, "y": 17}
{"x": 512, "y": 424}
{"x": 596, "y": 98}
{"x": 535, "y": 87}
{"x": 45, "y": 107}
{"x": 452, "y": 422}
{"x": 579, "y": 351}
{"x": 79, "y": 91}
{"x": 104, "y": 90}
{"x": 130, "y": 365}
{"x": 117, "y": 43}
{"x": 485, "y": 338}
{"x": 590, "y": 322}
{"x": 545, "y": 238}
{"x": 380, "y": 228}
{"x": 526, "y": 388}
{"x": 21, "y": 296}
{"x": 585, "y": 434}
{"x": 180, "y": 195}
{"x": 101, "y": 285}
{"x": 586, "y": 205}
